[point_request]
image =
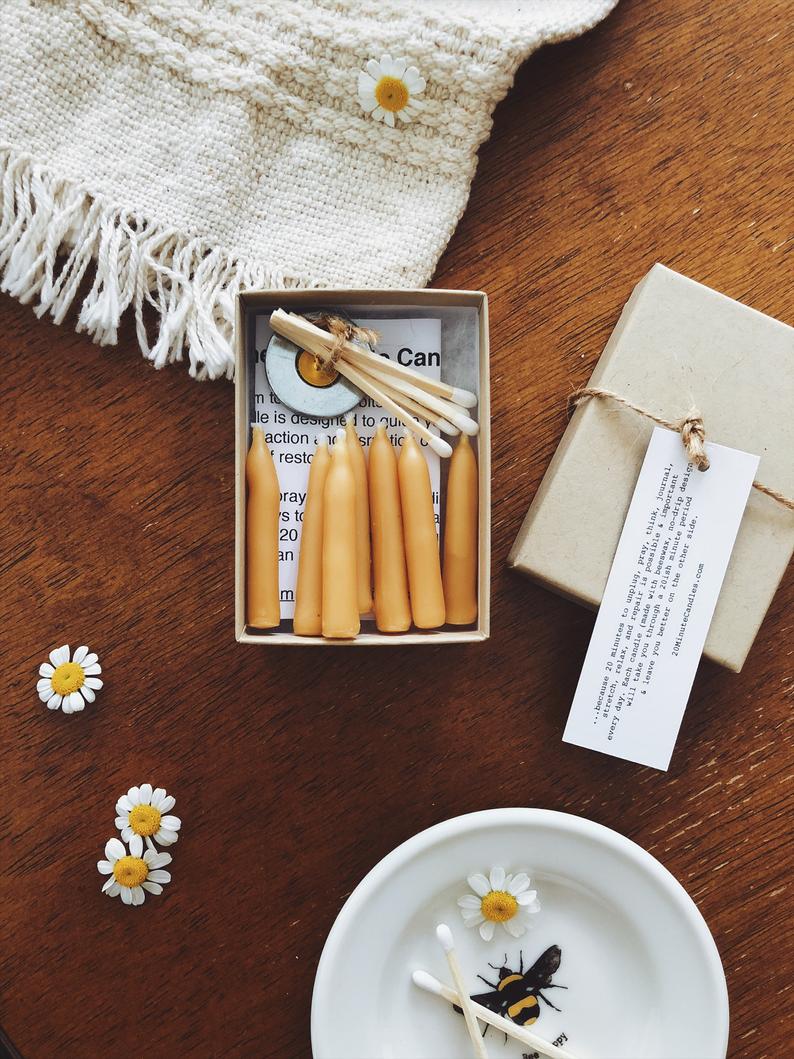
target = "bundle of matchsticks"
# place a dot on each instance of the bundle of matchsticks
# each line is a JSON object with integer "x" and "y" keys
{"x": 472, "y": 1011}
{"x": 403, "y": 392}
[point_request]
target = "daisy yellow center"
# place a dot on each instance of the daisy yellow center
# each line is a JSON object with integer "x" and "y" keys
{"x": 130, "y": 871}
{"x": 499, "y": 906}
{"x": 391, "y": 93}
{"x": 68, "y": 677}
{"x": 145, "y": 820}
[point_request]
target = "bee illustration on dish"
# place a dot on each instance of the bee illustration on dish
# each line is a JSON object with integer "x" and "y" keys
{"x": 517, "y": 994}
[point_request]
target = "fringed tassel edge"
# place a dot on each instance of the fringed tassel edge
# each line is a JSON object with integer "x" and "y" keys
{"x": 52, "y": 230}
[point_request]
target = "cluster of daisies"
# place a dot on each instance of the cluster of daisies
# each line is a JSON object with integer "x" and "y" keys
{"x": 67, "y": 682}
{"x": 142, "y": 816}
{"x": 499, "y": 898}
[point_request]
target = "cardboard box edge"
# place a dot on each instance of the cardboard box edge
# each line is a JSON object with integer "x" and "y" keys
{"x": 249, "y": 300}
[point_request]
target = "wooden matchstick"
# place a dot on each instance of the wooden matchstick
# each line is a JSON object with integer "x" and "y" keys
{"x": 415, "y": 408}
{"x": 431, "y": 984}
{"x": 451, "y": 412}
{"x": 318, "y": 341}
{"x": 444, "y": 935}
{"x": 292, "y": 327}
{"x": 303, "y": 333}
{"x": 364, "y": 357}
{"x": 367, "y": 386}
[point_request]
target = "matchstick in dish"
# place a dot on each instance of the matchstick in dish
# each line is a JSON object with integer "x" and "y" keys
{"x": 444, "y": 935}
{"x": 430, "y": 984}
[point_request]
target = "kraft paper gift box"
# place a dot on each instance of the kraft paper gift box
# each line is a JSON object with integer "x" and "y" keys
{"x": 463, "y": 319}
{"x": 677, "y": 344}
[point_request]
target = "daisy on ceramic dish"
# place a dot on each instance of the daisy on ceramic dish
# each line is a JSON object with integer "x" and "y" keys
{"x": 132, "y": 874}
{"x": 142, "y": 812}
{"x": 69, "y": 684}
{"x": 390, "y": 88}
{"x": 499, "y": 898}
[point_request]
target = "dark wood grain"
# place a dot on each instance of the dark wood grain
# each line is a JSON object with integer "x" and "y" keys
{"x": 663, "y": 135}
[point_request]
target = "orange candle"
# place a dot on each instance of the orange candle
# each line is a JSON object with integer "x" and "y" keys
{"x": 340, "y": 590}
{"x": 263, "y": 606}
{"x": 309, "y": 588}
{"x": 363, "y": 561}
{"x": 460, "y": 536}
{"x": 421, "y": 540}
{"x": 392, "y": 606}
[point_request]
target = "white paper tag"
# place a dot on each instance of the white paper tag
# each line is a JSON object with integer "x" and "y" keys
{"x": 659, "y": 600}
{"x": 293, "y": 438}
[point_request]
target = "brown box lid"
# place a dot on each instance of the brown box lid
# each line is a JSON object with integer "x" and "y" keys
{"x": 677, "y": 344}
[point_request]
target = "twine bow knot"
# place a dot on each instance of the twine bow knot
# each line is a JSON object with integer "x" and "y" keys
{"x": 691, "y": 429}
{"x": 693, "y": 435}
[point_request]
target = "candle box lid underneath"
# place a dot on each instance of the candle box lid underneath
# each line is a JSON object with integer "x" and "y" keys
{"x": 677, "y": 344}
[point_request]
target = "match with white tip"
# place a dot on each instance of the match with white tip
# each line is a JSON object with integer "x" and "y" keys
{"x": 427, "y": 982}
{"x": 444, "y": 935}
{"x": 405, "y": 393}
{"x": 430, "y": 984}
{"x": 447, "y": 942}
{"x": 464, "y": 397}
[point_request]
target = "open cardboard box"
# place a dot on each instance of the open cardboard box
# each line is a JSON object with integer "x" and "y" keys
{"x": 464, "y": 362}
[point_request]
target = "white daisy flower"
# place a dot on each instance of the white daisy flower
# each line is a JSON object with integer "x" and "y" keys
{"x": 69, "y": 685}
{"x": 131, "y": 874}
{"x": 390, "y": 87}
{"x": 142, "y": 811}
{"x": 500, "y": 898}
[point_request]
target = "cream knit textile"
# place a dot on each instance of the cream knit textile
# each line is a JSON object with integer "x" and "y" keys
{"x": 174, "y": 152}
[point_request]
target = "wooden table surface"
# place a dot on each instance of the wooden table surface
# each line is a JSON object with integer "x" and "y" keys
{"x": 664, "y": 135}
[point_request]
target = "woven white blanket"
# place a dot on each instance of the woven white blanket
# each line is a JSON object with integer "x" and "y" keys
{"x": 174, "y": 152}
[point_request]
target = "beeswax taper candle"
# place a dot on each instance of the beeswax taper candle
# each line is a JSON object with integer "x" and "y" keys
{"x": 340, "y": 590}
{"x": 309, "y": 588}
{"x": 392, "y": 606}
{"x": 421, "y": 541}
{"x": 263, "y": 606}
{"x": 460, "y": 536}
{"x": 358, "y": 462}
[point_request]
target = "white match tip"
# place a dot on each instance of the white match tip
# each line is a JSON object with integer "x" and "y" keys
{"x": 464, "y": 423}
{"x": 444, "y": 935}
{"x": 447, "y": 428}
{"x": 340, "y": 434}
{"x": 427, "y": 982}
{"x": 464, "y": 397}
{"x": 438, "y": 445}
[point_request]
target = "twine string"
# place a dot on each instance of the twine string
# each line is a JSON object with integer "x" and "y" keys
{"x": 342, "y": 331}
{"x": 690, "y": 427}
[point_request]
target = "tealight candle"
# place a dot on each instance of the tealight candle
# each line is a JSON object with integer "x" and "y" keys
{"x": 340, "y": 591}
{"x": 263, "y": 606}
{"x": 309, "y": 588}
{"x": 392, "y": 606}
{"x": 460, "y": 536}
{"x": 421, "y": 540}
{"x": 363, "y": 560}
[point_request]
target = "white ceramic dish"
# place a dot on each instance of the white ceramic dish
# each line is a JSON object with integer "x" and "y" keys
{"x": 644, "y": 978}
